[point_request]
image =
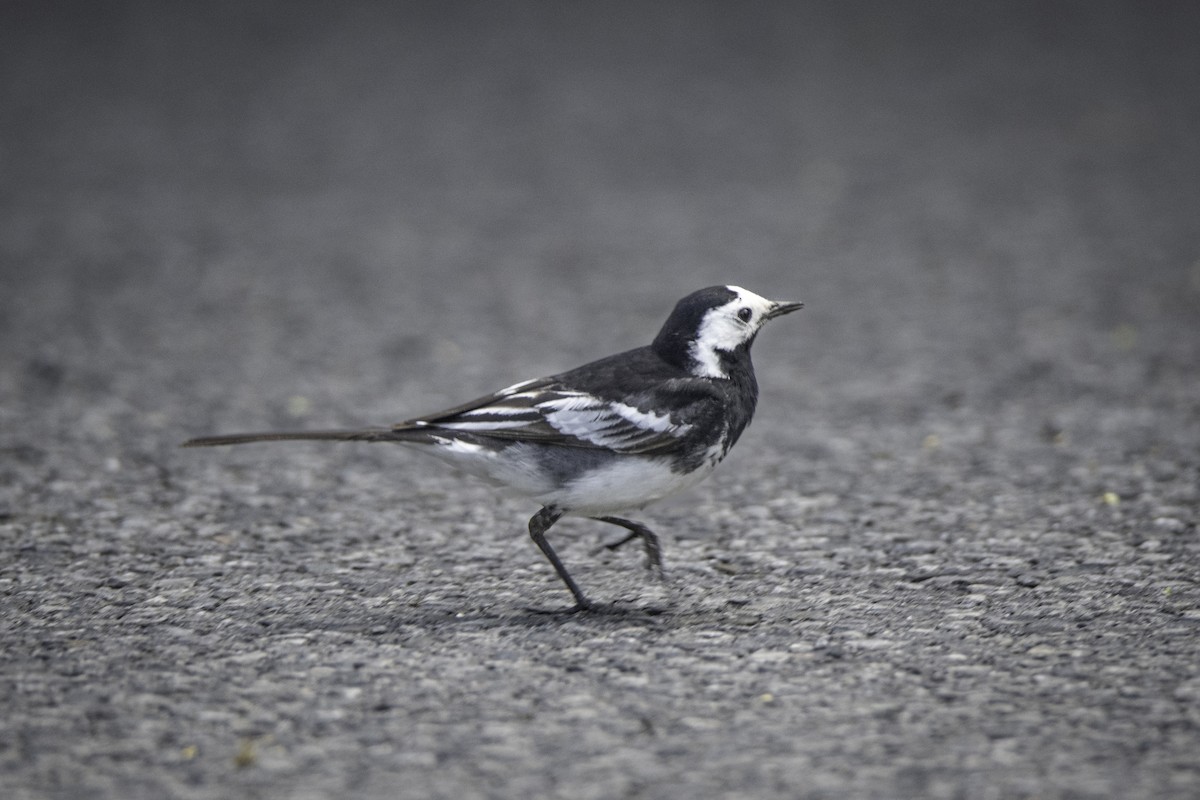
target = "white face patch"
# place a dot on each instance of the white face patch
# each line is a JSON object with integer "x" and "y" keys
{"x": 723, "y": 329}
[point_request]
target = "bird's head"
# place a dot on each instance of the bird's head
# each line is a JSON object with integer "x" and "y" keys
{"x": 710, "y": 327}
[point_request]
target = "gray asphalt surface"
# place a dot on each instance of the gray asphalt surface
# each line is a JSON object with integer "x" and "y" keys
{"x": 955, "y": 556}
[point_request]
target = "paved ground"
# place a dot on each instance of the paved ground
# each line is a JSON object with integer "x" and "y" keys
{"x": 956, "y": 556}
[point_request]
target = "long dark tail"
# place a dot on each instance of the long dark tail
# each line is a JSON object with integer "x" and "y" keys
{"x": 364, "y": 435}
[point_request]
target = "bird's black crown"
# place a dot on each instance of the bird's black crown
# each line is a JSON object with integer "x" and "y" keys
{"x": 674, "y": 340}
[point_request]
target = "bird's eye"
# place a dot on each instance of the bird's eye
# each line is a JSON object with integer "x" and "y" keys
{"x": 745, "y": 314}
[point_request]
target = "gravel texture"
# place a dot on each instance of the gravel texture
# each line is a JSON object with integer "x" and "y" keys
{"x": 956, "y": 555}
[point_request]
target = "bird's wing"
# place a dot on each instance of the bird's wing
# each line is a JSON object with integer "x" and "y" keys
{"x": 548, "y": 411}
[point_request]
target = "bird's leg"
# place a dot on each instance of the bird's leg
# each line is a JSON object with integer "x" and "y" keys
{"x": 539, "y": 523}
{"x": 618, "y": 544}
{"x": 638, "y": 531}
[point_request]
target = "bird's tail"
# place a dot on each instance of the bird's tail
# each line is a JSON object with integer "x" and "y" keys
{"x": 362, "y": 435}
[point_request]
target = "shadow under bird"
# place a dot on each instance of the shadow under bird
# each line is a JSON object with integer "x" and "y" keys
{"x": 608, "y": 437}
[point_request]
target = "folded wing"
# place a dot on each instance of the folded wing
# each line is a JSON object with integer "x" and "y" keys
{"x": 545, "y": 410}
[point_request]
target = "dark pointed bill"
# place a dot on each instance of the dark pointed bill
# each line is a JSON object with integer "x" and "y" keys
{"x": 779, "y": 309}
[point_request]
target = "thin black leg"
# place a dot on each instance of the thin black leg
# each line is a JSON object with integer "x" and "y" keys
{"x": 618, "y": 544}
{"x": 638, "y": 531}
{"x": 538, "y": 525}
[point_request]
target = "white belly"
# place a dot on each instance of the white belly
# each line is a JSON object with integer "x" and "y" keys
{"x": 624, "y": 483}
{"x": 627, "y": 484}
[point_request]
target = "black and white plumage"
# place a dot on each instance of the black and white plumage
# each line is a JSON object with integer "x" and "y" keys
{"x": 610, "y": 436}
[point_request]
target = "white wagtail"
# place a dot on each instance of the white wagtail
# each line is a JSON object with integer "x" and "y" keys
{"x": 610, "y": 436}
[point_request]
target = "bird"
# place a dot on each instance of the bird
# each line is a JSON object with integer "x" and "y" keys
{"x": 606, "y": 438}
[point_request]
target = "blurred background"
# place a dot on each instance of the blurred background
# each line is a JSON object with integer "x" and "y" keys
{"x": 979, "y": 438}
{"x": 387, "y": 200}
{"x": 226, "y": 216}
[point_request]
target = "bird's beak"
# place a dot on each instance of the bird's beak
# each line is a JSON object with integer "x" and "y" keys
{"x": 779, "y": 309}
